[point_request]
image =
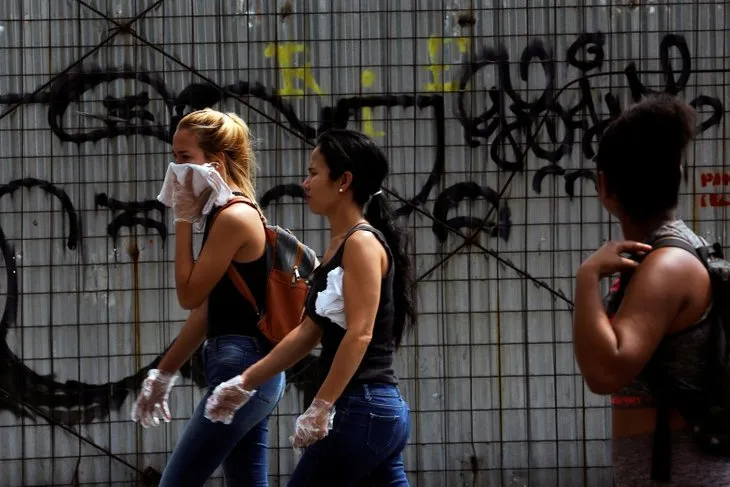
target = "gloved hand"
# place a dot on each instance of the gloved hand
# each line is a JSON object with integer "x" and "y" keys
{"x": 226, "y": 399}
{"x": 187, "y": 206}
{"x": 151, "y": 404}
{"x": 314, "y": 424}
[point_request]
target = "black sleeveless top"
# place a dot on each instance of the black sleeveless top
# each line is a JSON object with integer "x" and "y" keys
{"x": 229, "y": 313}
{"x": 683, "y": 354}
{"x": 377, "y": 363}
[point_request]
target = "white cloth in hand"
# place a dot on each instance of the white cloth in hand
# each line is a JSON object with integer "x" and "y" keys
{"x": 227, "y": 398}
{"x": 330, "y": 302}
{"x": 204, "y": 176}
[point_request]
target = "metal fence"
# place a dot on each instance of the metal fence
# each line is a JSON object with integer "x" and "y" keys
{"x": 489, "y": 111}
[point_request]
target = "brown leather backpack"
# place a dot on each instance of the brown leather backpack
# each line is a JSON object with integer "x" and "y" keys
{"x": 289, "y": 263}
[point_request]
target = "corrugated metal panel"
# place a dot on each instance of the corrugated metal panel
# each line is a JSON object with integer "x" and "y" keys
{"x": 489, "y": 373}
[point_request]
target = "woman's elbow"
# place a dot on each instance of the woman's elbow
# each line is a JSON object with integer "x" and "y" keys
{"x": 187, "y": 301}
{"x": 603, "y": 385}
{"x": 600, "y": 388}
{"x": 361, "y": 338}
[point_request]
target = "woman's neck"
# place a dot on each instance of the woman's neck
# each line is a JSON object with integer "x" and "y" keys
{"x": 346, "y": 217}
{"x": 639, "y": 231}
{"x": 233, "y": 187}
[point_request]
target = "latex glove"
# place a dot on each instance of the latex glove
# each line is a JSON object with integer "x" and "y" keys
{"x": 314, "y": 424}
{"x": 227, "y": 398}
{"x": 151, "y": 404}
{"x": 187, "y": 206}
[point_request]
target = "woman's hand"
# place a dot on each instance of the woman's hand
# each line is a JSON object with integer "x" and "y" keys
{"x": 151, "y": 404}
{"x": 227, "y": 398}
{"x": 187, "y": 206}
{"x": 314, "y": 424}
{"x": 608, "y": 260}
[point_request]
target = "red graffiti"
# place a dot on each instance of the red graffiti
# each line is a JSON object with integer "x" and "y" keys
{"x": 715, "y": 179}
{"x": 625, "y": 400}
{"x": 714, "y": 200}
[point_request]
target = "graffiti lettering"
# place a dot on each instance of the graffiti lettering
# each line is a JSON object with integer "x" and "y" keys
{"x": 128, "y": 218}
{"x": 437, "y": 68}
{"x": 714, "y": 179}
{"x": 285, "y": 54}
{"x": 74, "y": 231}
{"x": 453, "y": 195}
{"x": 493, "y": 122}
{"x": 510, "y": 136}
{"x": 340, "y": 115}
{"x": 714, "y": 200}
{"x": 73, "y": 402}
{"x": 367, "y": 78}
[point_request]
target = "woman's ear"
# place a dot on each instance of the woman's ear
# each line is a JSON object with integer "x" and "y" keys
{"x": 218, "y": 161}
{"x": 345, "y": 181}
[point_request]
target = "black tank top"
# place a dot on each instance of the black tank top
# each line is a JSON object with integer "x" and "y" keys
{"x": 377, "y": 364}
{"x": 229, "y": 313}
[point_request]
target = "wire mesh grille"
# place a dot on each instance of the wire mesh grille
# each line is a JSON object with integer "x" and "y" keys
{"x": 490, "y": 112}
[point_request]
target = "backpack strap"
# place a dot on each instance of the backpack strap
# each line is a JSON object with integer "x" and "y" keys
{"x": 239, "y": 198}
{"x": 678, "y": 242}
{"x": 355, "y": 228}
{"x": 242, "y": 287}
{"x": 661, "y": 448}
{"x": 232, "y": 272}
{"x": 661, "y": 454}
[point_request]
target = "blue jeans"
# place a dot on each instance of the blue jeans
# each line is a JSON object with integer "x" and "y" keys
{"x": 242, "y": 445}
{"x": 365, "y": 446}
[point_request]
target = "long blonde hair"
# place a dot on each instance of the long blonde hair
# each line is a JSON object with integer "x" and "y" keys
{"x": 227, "y": 134}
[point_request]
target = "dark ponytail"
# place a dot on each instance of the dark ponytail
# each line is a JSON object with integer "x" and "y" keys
{"x": 379, "y": 214}
{"x": 348, "y": 150}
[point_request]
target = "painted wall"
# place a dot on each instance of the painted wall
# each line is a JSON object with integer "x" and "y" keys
{"x": 490, "y": 118}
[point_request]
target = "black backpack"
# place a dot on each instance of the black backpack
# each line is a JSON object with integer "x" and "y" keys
{"x": 707, "y": 409}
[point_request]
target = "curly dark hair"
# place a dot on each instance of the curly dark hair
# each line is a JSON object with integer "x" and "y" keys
{"x": 641, "y": 155}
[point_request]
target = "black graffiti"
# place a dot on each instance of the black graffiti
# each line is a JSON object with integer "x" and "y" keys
{"x": 276, "y": 193}
{"x": 130, "y": 116}
{"x": 73, "y": 402}
{"x": 509, "y": 119}
{"x": 453, "y": 195}
{"x": 125, "y": 116}
{"x": 74, "y": 233}
{"x": 351, "y": 107}
{"x": 587, "y": 43}
{"x": 69, "y": 402}
{"x": 129, "y": 219}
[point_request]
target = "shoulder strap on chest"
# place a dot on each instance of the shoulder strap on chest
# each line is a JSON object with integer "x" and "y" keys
{"x": 233, "y": 201}
{"x": 704, "y": 253}
{"x": 378, "y": 235}
{"x": 675, "y": 242}
{"x": 232, "y": 272}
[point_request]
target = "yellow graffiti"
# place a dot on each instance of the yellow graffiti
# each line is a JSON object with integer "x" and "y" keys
{"x": 436, "y": 45}
{"x": 367, "y": 79}
{"x": 285, "y": 53}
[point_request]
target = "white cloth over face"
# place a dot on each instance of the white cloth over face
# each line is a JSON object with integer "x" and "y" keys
{"x": 330, "y": 302}
{"x": 204, "y": 175}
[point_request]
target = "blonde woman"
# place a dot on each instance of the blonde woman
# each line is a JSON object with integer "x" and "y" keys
{"x": 219, "y": 314}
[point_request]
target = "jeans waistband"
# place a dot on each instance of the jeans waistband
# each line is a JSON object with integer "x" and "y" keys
{"x": 253, "y": 344}
{"x": 373, "y": 389}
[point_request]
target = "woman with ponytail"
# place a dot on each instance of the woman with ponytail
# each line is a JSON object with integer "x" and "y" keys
{"x": 219, "y": 316}
{"x": 359, "y": 306}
